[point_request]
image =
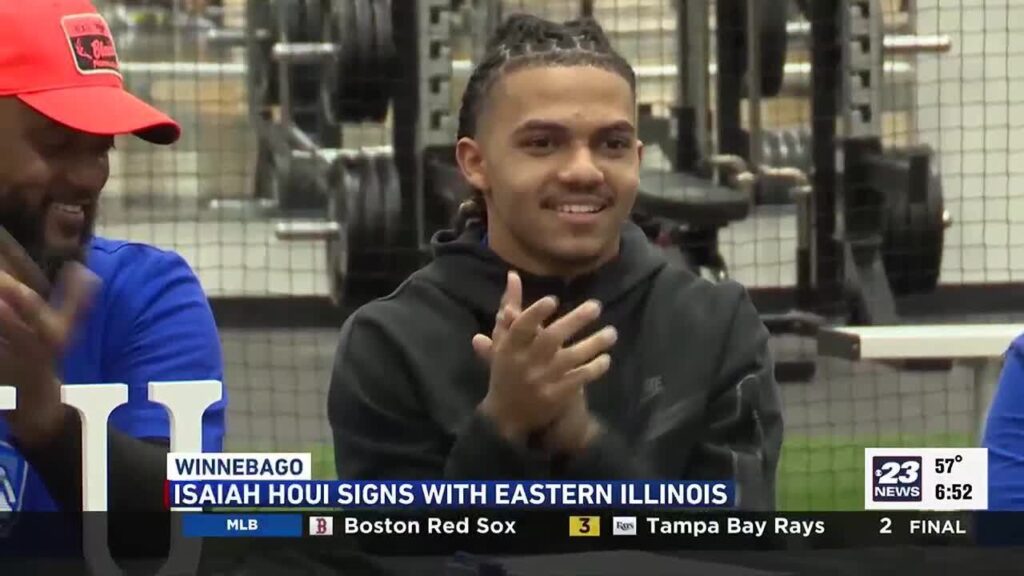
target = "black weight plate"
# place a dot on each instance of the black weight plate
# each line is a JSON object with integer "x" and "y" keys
{"x": 335, "y": 72}
{"x": 791, "y": 150}
{"x": 380, "y": 72}
{"x": 305, "y": 91}
{"x": 351, "y": 22}
{"x": 306, "y": 77}
{"x": 806, "y": 150}
{"x": 774, "y": 44}
{"x": 299, "y": 190}
{"x": 914, "y": 240}
{"x": 329, "y": 75}
{"x": 361, "y": 79}
{"x": 359, "y": 238}
{"x": 348, "y": 66}
{"x": 359, "y": 229}
{"x": 261, "y": 73}
{"x": 771, "y": 152}
{"x": 304, "y": 81}
{"x": 373, "y": 201}
{"x": 348, "y": 205}
{"x": 391, "y": 200}
{"x": 367, "y": 275}
{"x": 344, "y": 208}
{"x": 371, "y": 270}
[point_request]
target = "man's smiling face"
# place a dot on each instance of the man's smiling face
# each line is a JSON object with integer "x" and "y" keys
{"x": 50, "y": 181}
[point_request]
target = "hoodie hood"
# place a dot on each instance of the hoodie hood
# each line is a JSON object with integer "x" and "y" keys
{"x": 468, "y": 270}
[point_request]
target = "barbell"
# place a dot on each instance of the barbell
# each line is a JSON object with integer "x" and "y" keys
{"x": 340, "y": 55}
{"x": 775, "y": 31}
{"x": 343, "y": 54}
{"x": 351, "y": 60}
{"x": 894, "y": 42}
{"x": 910, "y": 219}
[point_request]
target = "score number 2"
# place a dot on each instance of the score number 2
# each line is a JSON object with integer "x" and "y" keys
{"x": 886, "y": 527}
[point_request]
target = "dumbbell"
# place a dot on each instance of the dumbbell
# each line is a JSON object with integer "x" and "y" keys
{"x": 363, "y": 226}
{"x": 269, "y": 23}
{"x": 893, "y": 42}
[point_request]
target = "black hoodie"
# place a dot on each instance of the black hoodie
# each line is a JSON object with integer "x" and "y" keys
{"x": 690, "y": 394}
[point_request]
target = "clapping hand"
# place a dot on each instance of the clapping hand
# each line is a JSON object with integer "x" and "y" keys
{"x": 34, "y": 334}
{"x": 535, "y": 378}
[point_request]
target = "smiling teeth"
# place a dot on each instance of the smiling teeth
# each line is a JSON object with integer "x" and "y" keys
{"x": 579, "y": 209}
{"x": 69, "y": 208}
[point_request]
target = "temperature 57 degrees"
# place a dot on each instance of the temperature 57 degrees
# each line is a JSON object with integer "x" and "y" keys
{"x": 945, "y": 465}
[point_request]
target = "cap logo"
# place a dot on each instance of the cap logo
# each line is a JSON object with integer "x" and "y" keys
{"x": 92, "y": 44}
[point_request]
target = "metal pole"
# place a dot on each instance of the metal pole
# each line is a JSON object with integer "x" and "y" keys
{"x": 754, "y": 83}
{"x": 826, "y": 58}
{"x": 728, "y": 36}
{"x": 694, "y": 77}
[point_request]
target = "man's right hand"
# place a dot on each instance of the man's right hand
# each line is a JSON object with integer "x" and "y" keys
{"x": 534, "y": 375}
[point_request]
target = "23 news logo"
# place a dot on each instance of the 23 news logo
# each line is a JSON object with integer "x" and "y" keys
{"x": 896, "y": 479}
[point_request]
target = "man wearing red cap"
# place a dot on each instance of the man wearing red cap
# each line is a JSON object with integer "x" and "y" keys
{"x": 120, "y": 312}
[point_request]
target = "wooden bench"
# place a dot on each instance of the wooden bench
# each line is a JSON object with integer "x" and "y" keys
{"x": 979, "y": 346}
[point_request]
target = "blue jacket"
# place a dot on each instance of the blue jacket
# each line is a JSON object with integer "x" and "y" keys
{"x": 150, "y": 321}
{"x": 1004, "y": 435}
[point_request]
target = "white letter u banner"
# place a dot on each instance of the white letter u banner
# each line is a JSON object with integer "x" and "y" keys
{"x": 185, "y": 403}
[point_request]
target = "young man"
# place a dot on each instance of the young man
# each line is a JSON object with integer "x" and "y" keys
{"x": 120, "y": 312}
{"x": 549, "y": 339}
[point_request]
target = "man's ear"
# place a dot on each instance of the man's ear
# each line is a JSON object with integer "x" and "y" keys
{"x": 471, "y": 163}
{"x": 640, "y": 152}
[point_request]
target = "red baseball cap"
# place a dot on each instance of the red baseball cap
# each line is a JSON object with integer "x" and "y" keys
{"x": 59, "y": 57}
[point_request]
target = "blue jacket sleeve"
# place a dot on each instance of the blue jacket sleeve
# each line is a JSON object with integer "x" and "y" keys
{"x": 1004, "y": 435}
{"x": 163, "y": 331}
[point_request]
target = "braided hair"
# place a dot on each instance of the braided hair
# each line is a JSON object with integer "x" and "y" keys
{"x": 524, "y": 41}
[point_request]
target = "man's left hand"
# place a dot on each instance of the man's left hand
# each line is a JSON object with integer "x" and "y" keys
{"x": 574, "y": 430}
{"x": 33, "y": 338}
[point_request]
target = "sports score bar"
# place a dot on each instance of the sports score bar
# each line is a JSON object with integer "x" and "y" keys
{"x": 908, "y": 494}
